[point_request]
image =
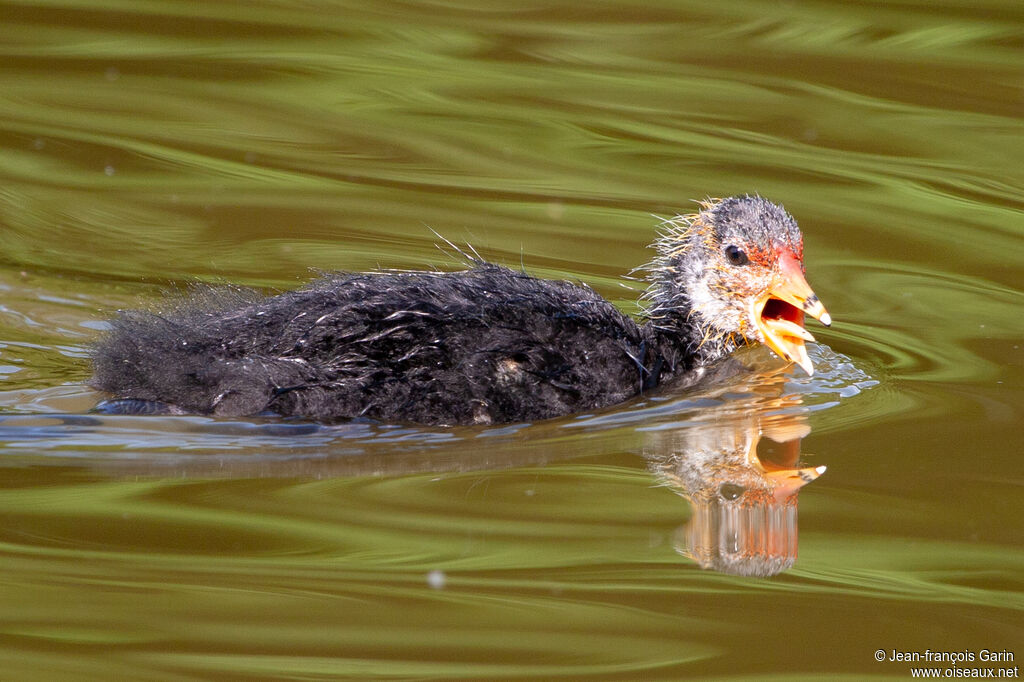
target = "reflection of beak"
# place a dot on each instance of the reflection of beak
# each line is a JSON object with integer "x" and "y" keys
{"x": 788, "y": 481}
{"x": 779, "y": 314}
{"x": 785, "y": 479}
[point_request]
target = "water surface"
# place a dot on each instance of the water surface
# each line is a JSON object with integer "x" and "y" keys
{"x": 145, "y": 145}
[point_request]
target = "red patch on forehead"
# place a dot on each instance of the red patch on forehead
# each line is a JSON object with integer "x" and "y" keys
{"x": 783, "y": 253}
{"x": 768, "y": 256}
{"x": 794, "y": 250}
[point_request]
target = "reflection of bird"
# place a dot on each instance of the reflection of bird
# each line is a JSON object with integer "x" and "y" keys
{"x": 485, "y": 345}
{"x": 744, "y": 501}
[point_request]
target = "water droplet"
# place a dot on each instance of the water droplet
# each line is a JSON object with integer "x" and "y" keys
{"x": 437, "y": 579}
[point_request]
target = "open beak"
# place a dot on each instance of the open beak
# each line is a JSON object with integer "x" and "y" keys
{"x": 779, "y": 314}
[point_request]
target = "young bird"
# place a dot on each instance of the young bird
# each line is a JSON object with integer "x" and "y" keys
{"x": 486, "y": 345}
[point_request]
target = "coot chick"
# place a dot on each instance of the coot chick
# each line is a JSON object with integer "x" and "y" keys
{"x": 483, "y": 346}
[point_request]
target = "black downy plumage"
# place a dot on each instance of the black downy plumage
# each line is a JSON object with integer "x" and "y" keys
{"x": 485, "y": 345}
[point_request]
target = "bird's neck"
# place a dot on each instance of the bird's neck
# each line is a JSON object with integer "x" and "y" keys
{"x": 678, "y": 330}
{"x": 680, "y": 335}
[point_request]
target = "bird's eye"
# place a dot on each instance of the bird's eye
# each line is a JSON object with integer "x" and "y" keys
{"x": 735, "y": 255}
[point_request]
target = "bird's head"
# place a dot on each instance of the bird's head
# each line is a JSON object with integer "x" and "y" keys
{"x": 736, "y": 270}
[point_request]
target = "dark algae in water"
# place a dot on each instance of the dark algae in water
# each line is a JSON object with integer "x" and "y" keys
{"x": 485, "y": 345}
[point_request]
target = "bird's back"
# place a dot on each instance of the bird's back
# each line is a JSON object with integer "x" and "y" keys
{"x": 486, "y": 345}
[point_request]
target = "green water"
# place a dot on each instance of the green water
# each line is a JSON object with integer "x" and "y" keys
{"x": 146, "y": 144}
